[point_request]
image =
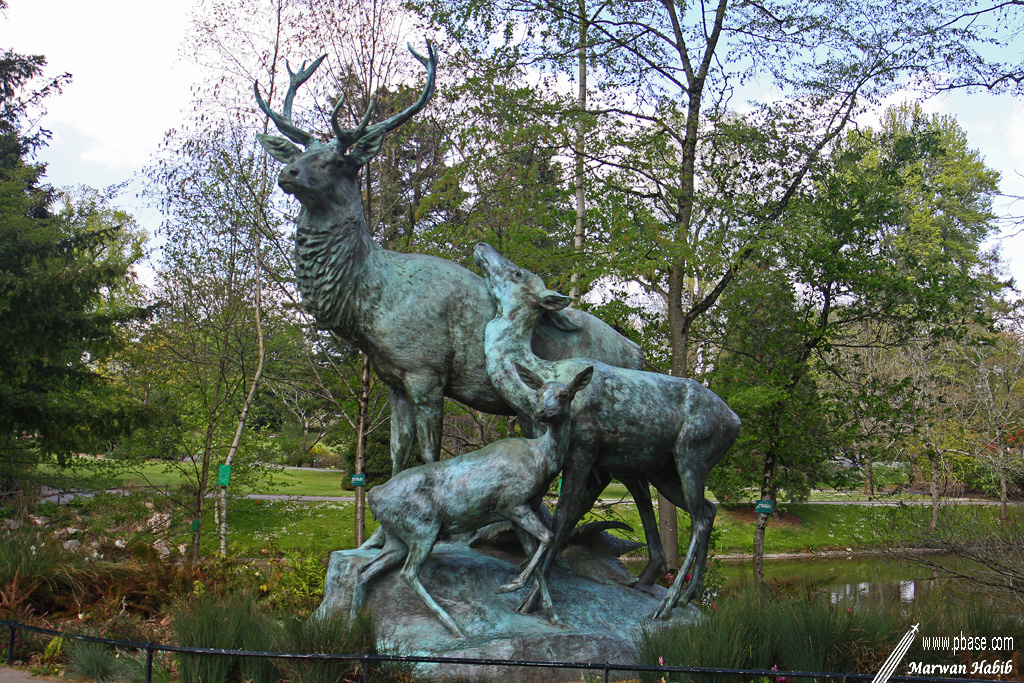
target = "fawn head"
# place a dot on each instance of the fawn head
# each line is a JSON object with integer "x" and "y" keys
{"x": 325, "y": 174}
{"x": 554, "y": 398}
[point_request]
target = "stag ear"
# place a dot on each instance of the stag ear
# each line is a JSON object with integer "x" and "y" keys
{"x": 529, "y": 377}
{"x": 279, "y": 148}
{"x": 580, "y": 382}
{"x": 553, "y": 301}
{"x": 367, "y": 147}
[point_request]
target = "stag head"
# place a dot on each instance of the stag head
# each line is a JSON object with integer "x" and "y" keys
{"x": 314, "y": 175}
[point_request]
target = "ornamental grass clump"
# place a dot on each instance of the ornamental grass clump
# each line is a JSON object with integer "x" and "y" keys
{"x": 732, "y": 635}
{"x": 225, "y": 623}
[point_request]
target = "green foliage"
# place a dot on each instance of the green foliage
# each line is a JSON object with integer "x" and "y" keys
{"x": 336, "y": 633}
{"x": 94, "y": 661}
{"x": 377, "y": 465}
{"x": 805, "y": 631}
{"x": 224, "y": 622}
{"x": 732, "y": 636}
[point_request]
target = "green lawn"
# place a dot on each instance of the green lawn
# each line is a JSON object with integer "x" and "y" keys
{"x": 91, "y": 473}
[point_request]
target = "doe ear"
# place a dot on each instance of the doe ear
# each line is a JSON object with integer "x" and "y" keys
{"x": 529, "y": 377}
{"x": 580, "y": 382}
{"x": 553, "y": 301}
{"x": 279, "y": 148}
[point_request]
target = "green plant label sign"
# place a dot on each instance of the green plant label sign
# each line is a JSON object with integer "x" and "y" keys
{"x": 223, "y": 475}
{"x": 764, "y": 505}
{"x": 195, "y": 525}
{"x": 359, "y": 479}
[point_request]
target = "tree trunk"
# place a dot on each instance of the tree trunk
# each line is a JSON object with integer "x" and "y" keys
{"x": 1002, "y": 487}
{"x": 934, "y": 524}
{"x": 767, "y": 493}
{"x": 581, "y": 200}
{"x": 249, "y": 398}
{"x": 668, "y": 531}
{"x": 360, "y": 464}
{"x": 869, "y": 482}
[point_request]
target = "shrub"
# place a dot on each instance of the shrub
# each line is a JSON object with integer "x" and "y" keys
{"x": 94, "y": 661}
{"x": 378, "y": 457}
{"x": 335, "y": 633}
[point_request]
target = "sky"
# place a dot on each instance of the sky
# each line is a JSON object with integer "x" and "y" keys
{"x": 131, "y": 85}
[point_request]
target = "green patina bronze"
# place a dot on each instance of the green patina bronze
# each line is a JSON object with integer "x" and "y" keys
{"x": 420, "y": 319}
{"x": 499, "y": 482}
{"x": 670, "y": 430}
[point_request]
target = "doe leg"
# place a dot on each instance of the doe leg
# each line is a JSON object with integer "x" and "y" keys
{"x": 657, "y": 563}
{"x": 390, "y": 556}
{"x": 410, "y": 573}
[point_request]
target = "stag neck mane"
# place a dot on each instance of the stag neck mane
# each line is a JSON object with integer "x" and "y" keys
{"x": 338, "y": 266}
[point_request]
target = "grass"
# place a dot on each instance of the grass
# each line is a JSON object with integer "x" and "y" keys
{"x": 257, "y": 524}
{"x": 90, "y": 474}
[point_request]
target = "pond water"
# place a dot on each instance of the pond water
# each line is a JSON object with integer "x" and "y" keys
{"x": 869, "y": 580}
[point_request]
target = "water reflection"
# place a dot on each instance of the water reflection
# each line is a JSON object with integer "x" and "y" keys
{"x": 865, "y": 580}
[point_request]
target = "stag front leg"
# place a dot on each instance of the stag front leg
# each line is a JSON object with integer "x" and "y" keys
{"x": 657, "y": 563}
{"x": 403, "y": 429}
{"x": 427, "y": 398}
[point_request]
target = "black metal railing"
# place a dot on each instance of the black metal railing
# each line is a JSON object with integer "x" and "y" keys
{"x": 366, "y": 659}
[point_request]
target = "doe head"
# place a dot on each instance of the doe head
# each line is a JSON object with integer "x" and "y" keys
{"x": 514, "y": 289}
{"x": 554, "y": 398}
{"x": 325, "y": 173}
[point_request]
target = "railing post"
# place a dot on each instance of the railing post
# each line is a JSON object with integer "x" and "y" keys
{"x": 606, "y": 671}
{"x": 366, "y": 670}
{"x": 10, "y": 647}
{"x": 149, "y": 662}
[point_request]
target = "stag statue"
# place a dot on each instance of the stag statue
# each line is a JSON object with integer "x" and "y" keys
{"x": 419, "y": 319}
{"x": 670, "y": 430}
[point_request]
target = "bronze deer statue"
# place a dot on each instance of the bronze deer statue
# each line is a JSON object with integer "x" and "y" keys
{"x": 499, "y": 482}
{"x": 419, "y": 319}
{"x": 669, "y": 430}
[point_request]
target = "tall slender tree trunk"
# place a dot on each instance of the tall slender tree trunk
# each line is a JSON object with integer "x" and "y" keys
{"x": 1002, "y": 486}
{"x": 767, "y": 493}
{"x": 934, "y": 523}
{"x": 246, "y": 405}
{"x": 581, "y": 199}
{"x": 360, "y": 459}
{"x": 869, "y": 482}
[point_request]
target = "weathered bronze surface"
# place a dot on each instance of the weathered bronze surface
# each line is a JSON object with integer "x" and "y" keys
{"x": 420, "y": 319}
{"x": 499, "y": 482}
{"x": 670, "y": 430}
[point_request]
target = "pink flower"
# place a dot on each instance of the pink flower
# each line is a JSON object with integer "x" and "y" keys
{"x": 661, "y": 661}
{"x": 778, "y": 679}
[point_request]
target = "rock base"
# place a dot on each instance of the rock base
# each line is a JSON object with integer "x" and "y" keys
{"x": 599, "y": 620}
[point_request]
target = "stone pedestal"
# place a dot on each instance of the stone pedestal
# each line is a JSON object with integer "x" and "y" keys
{"x": 598, "y": 619}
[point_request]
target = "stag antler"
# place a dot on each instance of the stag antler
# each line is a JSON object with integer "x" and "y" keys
{"x": 347, "y": 138}
{"x": 283, "y": 121}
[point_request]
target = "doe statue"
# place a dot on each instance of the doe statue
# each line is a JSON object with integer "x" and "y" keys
{"x": 499, "y": 482}
{"x": 668, "y": 430}
{"x": 419, "y": 319}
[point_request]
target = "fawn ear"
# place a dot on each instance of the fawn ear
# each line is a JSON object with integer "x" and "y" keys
{"x": 553, "y": 301}
{"x": 279, "y": 148}
{"x": 529, "y": 377}
{"x": 580, "y": 382}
